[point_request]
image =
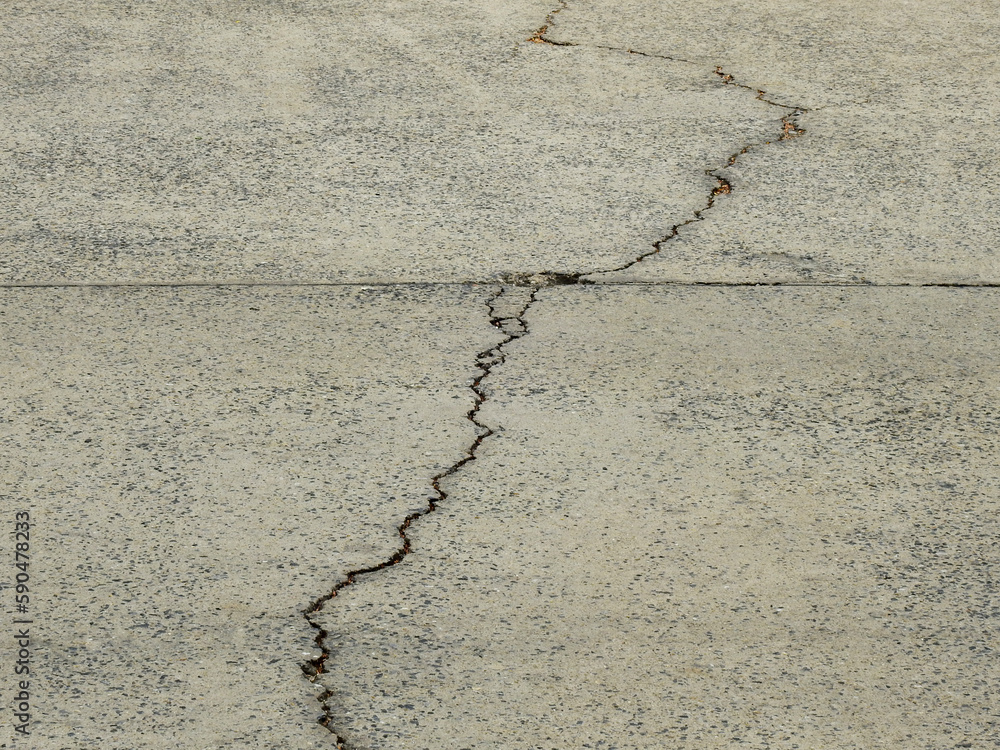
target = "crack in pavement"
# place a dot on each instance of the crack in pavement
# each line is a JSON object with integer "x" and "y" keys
{"x": 640, "y": 53}
{"x": 507, "y": 309}
{"x": 790, "y": 129}
{"x": 539, "y": 36}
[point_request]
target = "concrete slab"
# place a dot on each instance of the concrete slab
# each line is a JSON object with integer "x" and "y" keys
{"x": 890, "y": 183}
{"x": 868, "y": 194}
{"x": 709, "y": 518}
{"x": 803, "y": 53}
{"x": 200, "y": 465}
{"x": 356, "y": 142}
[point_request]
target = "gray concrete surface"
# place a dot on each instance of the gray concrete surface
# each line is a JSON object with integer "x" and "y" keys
{"x": 201, "y": 464}
{"x": 343, "y": 143}
{"x": 893, "y": 184}
{"x": 896, "y": 195}
{"x": 250, "y": 259}
{"x": 710, "y": 518}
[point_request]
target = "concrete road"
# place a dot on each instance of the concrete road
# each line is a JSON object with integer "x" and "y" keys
{"x": 546, "y": 375}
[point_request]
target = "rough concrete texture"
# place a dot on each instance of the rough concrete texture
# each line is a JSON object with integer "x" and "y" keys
{"x": 276, "y": 509}
{"x": 710, "y": 518}
{"x": 808, "y": 54}
{"x": 200, "y": 464}
{"x": 344, "y": 142}
{"x": 858, "y": 201}
{"x": 894, "y": 183}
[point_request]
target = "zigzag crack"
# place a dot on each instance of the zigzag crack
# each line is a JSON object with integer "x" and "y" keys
{"x": 790, "y": 128}
{"x": 539, "y": 36}
{"x": 789, "y": 122}
{"x": 507, "y": 309}
{"x": 524, "y": 286}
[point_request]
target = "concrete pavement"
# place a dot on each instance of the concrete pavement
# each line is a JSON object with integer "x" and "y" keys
{"x": 711, "y": 517}
{"x": 187, "y": 456}
{"x": 281, "y": 280}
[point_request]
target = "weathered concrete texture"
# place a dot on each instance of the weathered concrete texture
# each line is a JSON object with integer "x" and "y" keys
{"x": 710, "y": 518}
{"x": 200, "y": 466}
{"x": 867, "y": 195}
{"x": 348, "y": 142}
{"x": 805, "y": 54}
{"x": 893, "y": 182}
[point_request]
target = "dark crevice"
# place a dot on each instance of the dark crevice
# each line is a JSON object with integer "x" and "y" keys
{"x": 508, "y": 310}
{"x": 631, "y": 51}
{"x": 513, "y": 327}
{"x": 790, "y": 128}
{"x": 544, "y": 278}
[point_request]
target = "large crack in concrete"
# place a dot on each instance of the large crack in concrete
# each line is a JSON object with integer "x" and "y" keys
{"x": 790, "y": 128}
{"x": 508, "y": 311}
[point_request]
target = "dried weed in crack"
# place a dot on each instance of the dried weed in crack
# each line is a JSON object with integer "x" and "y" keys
{"x": 539, "y": 37}
{"x": 790, "y": 127}
{"x": 520, "y": 297}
